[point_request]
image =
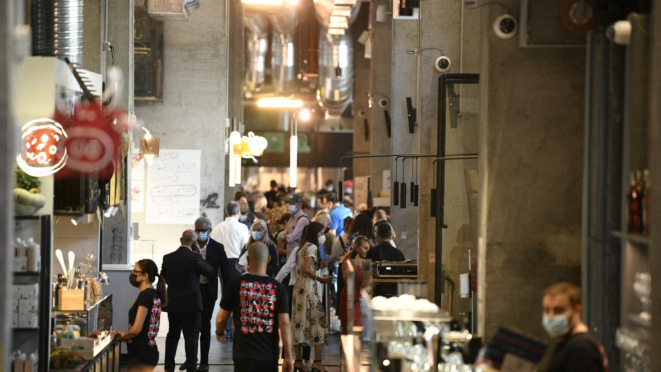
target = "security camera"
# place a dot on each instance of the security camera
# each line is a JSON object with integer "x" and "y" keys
{"x": 442, "y": 64}
{"x": 505, "y": 26}
{"x": 383, "y": 102}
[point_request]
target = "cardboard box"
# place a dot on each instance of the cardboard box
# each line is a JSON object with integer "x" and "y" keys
{"x": 20, "y": 264}
{"x": 71, "y": 299}
{"x": 28, "y": 313}
{"x": 14, "y": 313}
{"x": 28, "y": 291}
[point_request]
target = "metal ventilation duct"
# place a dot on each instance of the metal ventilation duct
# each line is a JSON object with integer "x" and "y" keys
{"x": 323, "y": 8}
{"x": 171, "y": 10}
{"x": 335, "y": 90}
{"x": 256, "y": 48}
{"x": 57, "y": 29}
{"x": 283, "y": 53}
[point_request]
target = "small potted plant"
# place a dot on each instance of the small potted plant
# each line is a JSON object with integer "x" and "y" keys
{"x": 27, "y": 199}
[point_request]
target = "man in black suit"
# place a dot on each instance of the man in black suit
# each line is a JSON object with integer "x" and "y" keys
{"x": 214, "y": 254}
{"x": 182, "y": 269}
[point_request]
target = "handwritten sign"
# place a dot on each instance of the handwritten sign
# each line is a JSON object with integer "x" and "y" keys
{"x": 173, "y": 187}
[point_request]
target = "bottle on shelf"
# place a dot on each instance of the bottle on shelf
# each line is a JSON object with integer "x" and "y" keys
{"x": 634, "y": 223}
{"x": 645, "y": 202}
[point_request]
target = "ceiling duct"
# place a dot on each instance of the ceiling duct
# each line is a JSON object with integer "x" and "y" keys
{"x": 57, "y": 29}
{"x": 256, "y": 48}
{"x": 171, "y": 10}
{"x": 324, "y": 9}
{"x": 283, "y": 53}
{"x": 335, "y": 89}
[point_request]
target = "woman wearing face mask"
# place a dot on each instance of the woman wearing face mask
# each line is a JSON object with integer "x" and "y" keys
{"x": 144, "y": 317}
{"x": 357, "y": 258}
{"x": 309, "y": 326}
{"x": 259, "y": 233}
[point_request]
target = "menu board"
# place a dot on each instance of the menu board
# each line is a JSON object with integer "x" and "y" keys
{"x": 173, "y": 187}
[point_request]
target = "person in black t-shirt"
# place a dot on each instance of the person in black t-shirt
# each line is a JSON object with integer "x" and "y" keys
{"x": 260, "y": 308}
{"x": 577, "y": 350}
{"x": 384, "y": 251}
{"x": 144, "y": 317}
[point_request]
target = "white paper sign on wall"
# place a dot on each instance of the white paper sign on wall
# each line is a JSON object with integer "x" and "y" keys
{"x": 173, "y": 187}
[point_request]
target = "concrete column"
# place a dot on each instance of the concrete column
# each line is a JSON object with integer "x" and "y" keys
{"x": 194, "y": 108}
{"x": 531, "y": 109}
{"x": 233, "y": 62}
{"x": 404, "y": 67}
{"x": 655, "y": 173}
{"x": 8, "y": 140}
{"x": 380, "y": 83}
{"x": 93, "y": 34}
{"x": 361, "y": 112}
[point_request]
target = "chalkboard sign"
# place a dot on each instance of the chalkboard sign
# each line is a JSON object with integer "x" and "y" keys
{"x": 148, "y": 58}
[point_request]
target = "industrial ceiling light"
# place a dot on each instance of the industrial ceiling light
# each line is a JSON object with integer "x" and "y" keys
{"x": 149, "y": 146}
{"x": 336, "y": 31}
{"x": 304, "y": 115}
{"x": 234, "y": 165}
{"x": 344, "y": 23}
{"x": 76, "y": 221}
{"x": 279, "y": 102}
{"x": 341, "y": 11}
{"x": 293, "y": 154}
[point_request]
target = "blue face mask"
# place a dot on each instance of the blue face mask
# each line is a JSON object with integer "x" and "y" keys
{"x": 256, "y": 235}
{"x": 556, "y": 326}
{"x": 292, "y": 208}
{"x": 203, "y": 236}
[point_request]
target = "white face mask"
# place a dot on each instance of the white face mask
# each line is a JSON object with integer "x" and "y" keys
{"x": 243, "y": 217}
{"x": 292, "y": 208}
{"x": 321, "y": 239}
{"x": 556, "y": 326}
{"x": 348, "y": 190}
{"x": 256, "y": 235}
{"x": 329, "y": 189}
{"x": 203, "y": 236}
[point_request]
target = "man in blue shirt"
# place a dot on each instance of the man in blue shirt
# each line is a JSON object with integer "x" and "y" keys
{"x": 338, "y": 213}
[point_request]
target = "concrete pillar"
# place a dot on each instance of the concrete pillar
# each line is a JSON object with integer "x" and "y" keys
{"x": 8, "y": 141}
{"x": 404, "y": 67}
{"x": 194, "y": 108}
{"x": 361, "y": 112}
{"x": 380, "y": 83}
{"x": 531, "y": 109}
{"x": 655, "y": 173}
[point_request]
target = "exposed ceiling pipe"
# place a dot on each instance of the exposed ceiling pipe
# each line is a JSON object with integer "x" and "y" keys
{"x": 335, "y": 90}
{"x": 256, "y": 48}
{"x": 336, "y": 72}
{"x": 283, "y": 50}
{"x": 57, "y": 29}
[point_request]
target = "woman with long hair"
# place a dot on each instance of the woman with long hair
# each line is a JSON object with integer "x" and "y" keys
{"x": 259, "y": 233}
{"x": 362, "y": 225}
{"x": 144, "y": 317}
{"x": 309, "y": 326}
{"x": 356, "y": 257}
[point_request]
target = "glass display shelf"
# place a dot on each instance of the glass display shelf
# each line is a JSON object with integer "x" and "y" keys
{"x": 93, "y": 319}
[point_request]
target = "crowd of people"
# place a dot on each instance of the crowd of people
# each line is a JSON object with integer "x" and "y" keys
{"x": 277, "y": 287}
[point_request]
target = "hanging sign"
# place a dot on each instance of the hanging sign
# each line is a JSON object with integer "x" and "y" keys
{"x": 43, "y": 152}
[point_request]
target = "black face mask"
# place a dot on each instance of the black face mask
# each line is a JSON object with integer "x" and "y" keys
{"x": 134, "y": 282}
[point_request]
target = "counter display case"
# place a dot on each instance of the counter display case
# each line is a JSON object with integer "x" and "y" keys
{"x": 81, "y": 339}
{"x": 31, "y": 292}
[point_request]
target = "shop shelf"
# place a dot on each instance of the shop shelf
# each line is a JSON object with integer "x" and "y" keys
{"x": 636, "y": 319}
{"x": 26, "y": 273}
{"x": 634, "y": 238}
{"x": 17, "y": 329}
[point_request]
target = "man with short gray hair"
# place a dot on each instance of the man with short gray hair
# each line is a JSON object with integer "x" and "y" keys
{"x": 233, "y": 235}
{"x": 214, "y": 254}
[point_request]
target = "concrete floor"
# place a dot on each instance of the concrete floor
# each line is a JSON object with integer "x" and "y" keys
{"x": 220, "y": 355}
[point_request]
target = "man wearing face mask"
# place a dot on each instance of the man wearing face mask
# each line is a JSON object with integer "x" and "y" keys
{"x": 182, "y": 269}
{"x": 246, "y": 217}
{"x": 576, "y": 349}
{"x": 214, "y": 254}
{"x": 296, "y": 224}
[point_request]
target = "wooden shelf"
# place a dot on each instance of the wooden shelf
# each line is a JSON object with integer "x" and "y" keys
{"x": 26, "y": 273}
{"x": 634, "y": 238}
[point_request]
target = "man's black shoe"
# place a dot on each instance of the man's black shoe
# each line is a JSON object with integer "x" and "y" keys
{"x": 203, "y": 368}
{"x": 182, "y": 367}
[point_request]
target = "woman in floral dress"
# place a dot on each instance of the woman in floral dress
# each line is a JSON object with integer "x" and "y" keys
{"x": 308, "y": 314}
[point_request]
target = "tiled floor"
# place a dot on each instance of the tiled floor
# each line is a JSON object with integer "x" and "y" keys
{"x": 220, "y": 355}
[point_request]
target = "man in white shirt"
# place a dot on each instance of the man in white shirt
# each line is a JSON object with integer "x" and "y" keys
{"x": 233, "y": 235}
